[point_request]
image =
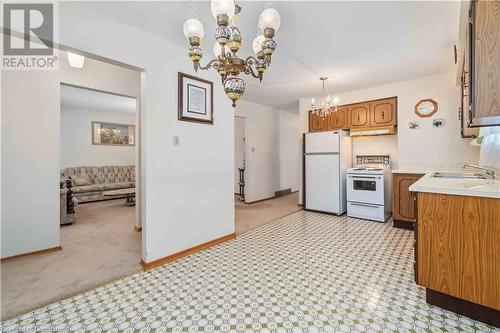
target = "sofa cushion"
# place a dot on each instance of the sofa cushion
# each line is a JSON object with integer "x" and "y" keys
{"x": 88, "y": 188}
{"x": 117, "y": 186}
{"x": 81, "y": 180}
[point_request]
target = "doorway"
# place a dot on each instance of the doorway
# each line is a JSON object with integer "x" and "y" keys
{"x": 239, "y": 158}
{"x": 100, "y": 233}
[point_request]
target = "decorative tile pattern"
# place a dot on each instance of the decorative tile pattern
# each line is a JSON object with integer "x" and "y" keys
{"x": 304, "y": 273}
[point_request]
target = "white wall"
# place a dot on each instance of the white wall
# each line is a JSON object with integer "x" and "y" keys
{"x": 239, "y": 150}
{"x": 30, "y": 160}
{"x": 188, "y": 189}
{"x": 31, "y": 150}
{"x": 426, "y": 147}
{"x": 76, "y": 138}
{"x": 272, "y": 149}
{"x": 289, "y": 149}
{"x": 262, "y": 150}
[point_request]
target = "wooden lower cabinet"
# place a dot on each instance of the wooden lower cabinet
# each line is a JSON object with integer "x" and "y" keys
{"x": 458, "y": 248}
{"x": 403, "y": 210}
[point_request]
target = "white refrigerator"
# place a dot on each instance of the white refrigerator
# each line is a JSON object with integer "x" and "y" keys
{"x": 327, "y": 156}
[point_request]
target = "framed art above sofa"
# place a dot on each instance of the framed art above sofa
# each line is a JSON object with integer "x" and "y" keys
{"x": 113, "y": 134}
{"x": 195, "y": 99}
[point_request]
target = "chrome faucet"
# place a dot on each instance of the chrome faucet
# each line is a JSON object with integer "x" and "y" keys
{"x": 490, "y": 173}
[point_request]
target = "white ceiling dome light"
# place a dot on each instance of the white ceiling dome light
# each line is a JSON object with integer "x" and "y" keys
{"x": 193, "y": 28}
{"x": 223, "y": 7}
{"x": 269, "y": 18}
{"x": 75, "y": 60}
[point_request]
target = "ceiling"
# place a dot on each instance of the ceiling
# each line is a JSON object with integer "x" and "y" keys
{"x": 73, "y": 97}
{"x": 356, "y": 44}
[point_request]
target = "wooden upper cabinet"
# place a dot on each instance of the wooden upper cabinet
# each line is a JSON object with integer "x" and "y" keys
{"x": 338, "y": 118}
{"x": 317, "y": 123}
{"x": 484, "y": 55}
{"x": 359, "y": 115}
{"x": 383, "y": 112}
{"x": 375, "y": 113}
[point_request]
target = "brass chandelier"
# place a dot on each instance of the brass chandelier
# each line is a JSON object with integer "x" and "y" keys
{"x": 228, "y": 42}
{"x": 326, "y": 105}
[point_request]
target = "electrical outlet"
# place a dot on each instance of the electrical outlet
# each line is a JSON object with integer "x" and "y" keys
{"x": 177, "y": 140}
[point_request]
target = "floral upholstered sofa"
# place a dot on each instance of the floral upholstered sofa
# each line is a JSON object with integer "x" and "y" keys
{"x": 90, "y": 182}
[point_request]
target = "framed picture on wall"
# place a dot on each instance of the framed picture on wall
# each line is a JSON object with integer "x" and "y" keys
{"x": 112, "y": 134}
{"x": 195, "y": 99}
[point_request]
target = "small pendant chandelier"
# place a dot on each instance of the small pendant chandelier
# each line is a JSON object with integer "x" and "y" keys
{"x": 325, "y": 106}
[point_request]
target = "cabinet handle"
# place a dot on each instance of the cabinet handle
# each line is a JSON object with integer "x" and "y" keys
{"x": 358, "y": 118}
{"x": 382, "y": 114}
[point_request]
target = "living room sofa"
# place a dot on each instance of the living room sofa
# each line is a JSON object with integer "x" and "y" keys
{"x": 90, "y": 182}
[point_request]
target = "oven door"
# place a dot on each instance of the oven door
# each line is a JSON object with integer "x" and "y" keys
{"x": 365, "y": 188}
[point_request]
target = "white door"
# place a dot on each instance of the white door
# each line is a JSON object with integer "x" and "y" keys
{"x": 324, "y": 142}
{"x": 322, "y": 183}
{"x": 239, "y": 150}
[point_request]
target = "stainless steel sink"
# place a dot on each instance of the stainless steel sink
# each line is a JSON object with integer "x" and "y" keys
{"x": 459, "y": 175}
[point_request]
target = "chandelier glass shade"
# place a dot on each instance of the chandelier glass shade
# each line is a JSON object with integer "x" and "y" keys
{"x": 326, "y": 105}
{"x": 228, "y": 42}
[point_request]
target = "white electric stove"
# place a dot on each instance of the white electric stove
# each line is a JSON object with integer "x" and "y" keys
{"x": 368, "y": 188}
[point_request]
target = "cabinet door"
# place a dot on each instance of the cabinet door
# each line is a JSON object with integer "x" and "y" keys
{"x": 402, "y": 199}
{"x": 466, "y": 132}
{"x": 485, "y": 64}
{"x": 359, "y": 115}
{"x": 458, "y": 246}
{"x": 317, "y": 123}
{"x": 383, "y": 112}
{"x": 338, "y": 118}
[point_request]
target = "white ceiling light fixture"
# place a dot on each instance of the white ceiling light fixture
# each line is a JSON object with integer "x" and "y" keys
{"x": 75, "y": 60}
{"x": 325, "y": 106}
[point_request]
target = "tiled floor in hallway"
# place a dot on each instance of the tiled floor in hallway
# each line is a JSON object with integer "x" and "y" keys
{"x": 304, "y": 273}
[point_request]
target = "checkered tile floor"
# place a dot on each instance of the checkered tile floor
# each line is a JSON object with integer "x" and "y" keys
{"x": 304, "y": 273}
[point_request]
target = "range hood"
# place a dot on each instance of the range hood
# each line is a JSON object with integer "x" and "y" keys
{"x": 369, "y": 131}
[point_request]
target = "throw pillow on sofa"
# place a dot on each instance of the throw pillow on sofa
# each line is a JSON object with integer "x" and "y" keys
{"x": 81, "y": 180}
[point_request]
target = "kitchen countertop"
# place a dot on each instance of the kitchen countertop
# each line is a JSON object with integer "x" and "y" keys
{"x": 411, "y": 171}
{"x": 489, "y": 188}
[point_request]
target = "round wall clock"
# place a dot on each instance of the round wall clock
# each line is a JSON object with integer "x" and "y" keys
{"x": 426, "y": 108}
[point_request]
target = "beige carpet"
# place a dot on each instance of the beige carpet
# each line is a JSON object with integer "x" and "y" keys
{"x": 251, "y": 216}
{"x": 102, "y": 246}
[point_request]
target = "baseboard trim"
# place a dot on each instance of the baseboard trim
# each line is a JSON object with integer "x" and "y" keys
{"x": 17, "y": 256}
{"x": 283, "y": 192}
{"x": 256, "y": 201}
{"x": 403, "y": 224}
{"x": 270, "y": 198}
{"x": 178, "y": 255}
{"x": 472, "y": 310}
